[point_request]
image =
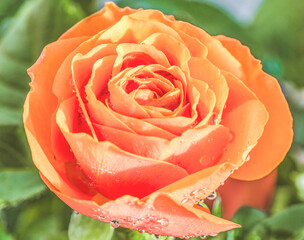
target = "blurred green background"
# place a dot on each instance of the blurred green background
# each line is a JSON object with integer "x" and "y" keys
{"x": 274, "y": 31}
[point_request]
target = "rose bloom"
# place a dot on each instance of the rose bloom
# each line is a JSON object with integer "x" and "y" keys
{"x": 134, "y": 117}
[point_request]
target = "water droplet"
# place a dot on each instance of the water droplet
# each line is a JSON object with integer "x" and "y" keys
{"x": 205, "y": 159}
{"x": 215, "y": 119}
{"x": 203, "y": 237}
{"x": 114, "y": 224}
{"x": 150, "y": 207}
{"x": 186, "y": 237}
{"x": 140, "y": 230}
{"x": 194, "y": 192}
{"x": 213, "y": 235}
{"x": 247, "y": 158}
{"x": 212, "y": 196}
{"x": 231, "y": 136}
{"x": 129, "y": 220}
{"x": 77, "y": 213}
{"x": 183, "y": 140}
{"x": 101, "y": 217}
{"x": 163, "y": 221}
{"x": 42, "y": 56}
{"x": 104, "y": 213}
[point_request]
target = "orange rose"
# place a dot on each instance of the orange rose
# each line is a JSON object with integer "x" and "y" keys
{"x": 134, "y": 117}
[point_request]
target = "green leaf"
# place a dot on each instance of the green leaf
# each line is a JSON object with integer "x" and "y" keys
{"x": 283, "y": 198}
{"x": 217, "y": 207}
{"x": 5, "y": 236}
{"x": 82, "y": 227}
{"x": 135, "y": 235}
{"x": 36, "y": 23}
{"x": 7, "y": 10}
{"x": 281, "y": 225}
{"x": 298, "y": 116}
{"x": 201, "y": 14}
{"x": 299, "y": 183}
{"x": 299, "y": 235}
{"x": 90, "y": 6}
{"x": 22, "y": 43}
{"x": 290, "y": 220}
{"x": 8, "y": 7}
{"x": 19, "y": 185}
{"x": 45, "y": 218}
{"x": 247, "y": 217}
{"x": 3, "y": 233}
{"x": 278, "y": 32}
{"x": 14, "y": 149}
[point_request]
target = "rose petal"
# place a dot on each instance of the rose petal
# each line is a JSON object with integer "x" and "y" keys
{"x": 124, "y": 104}
{"x": 198, "y": 149}
{"x": 207, "y": 100}
{"x": 41, "y": 102}
{"x": 205, "y": 71}
{"x": 131, "y": 30}
{"x": 125, "y": 49}
{"x": 38, "y": 109}
{"x": 197, "y": 186}
{"x": 246, "y": 124}
{"x": 113, "y": 171}
{"x": 178, "y": 124}
{"x": 239, "y": 93}
{"x": 277, "y": 135}
{"x": 217, "y": 54}
{"x": 98, "y": 112}
{"x": 196, "y": 47}
{"x": 42, "y": 162}
{"x": 176, "y": 52}
{"x": 159, "y": 214}
{"x": 236, "y": 193}
{"x": 151, "y": 147}
{"x": 143, "y": 128}
{"x": 153, "y": 15}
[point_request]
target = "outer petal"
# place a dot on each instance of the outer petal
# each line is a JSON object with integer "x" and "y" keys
{"x": 159, "y": 214}
{"x": 246, "y": 124}
{"x": 236, "y": 193}
{"x": 38, "y": 109}
{"x": 217, "y": 54}
{"x": 197, "y": 186}
{"x": 277, "y": 136}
